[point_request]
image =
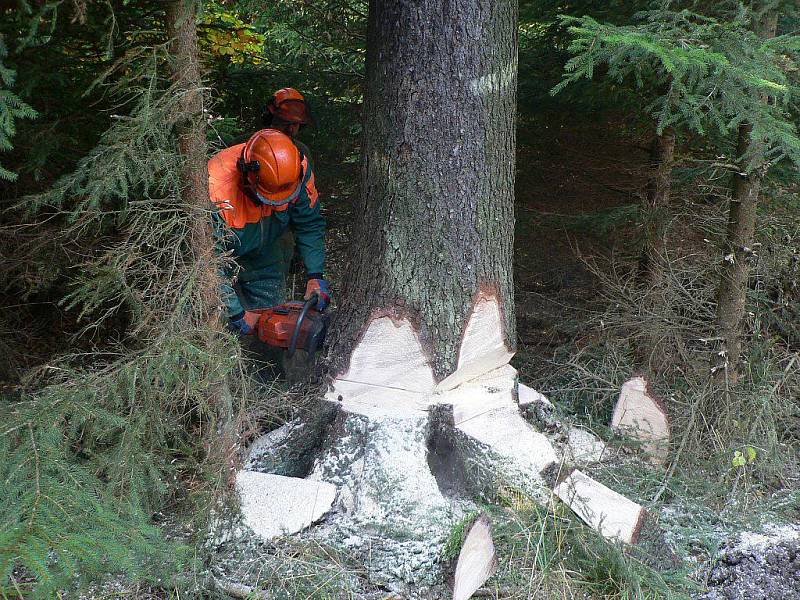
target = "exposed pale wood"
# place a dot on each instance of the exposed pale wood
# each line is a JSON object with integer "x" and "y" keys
{"x": 583, "y": 447}
{"x": 491, "y": 390}
{"x": 527, "y": 396}
{"x": 483, "y": 347}
{"x": 640, "y": 415}
{"x": 508, "y": 435}
{"x": 492, "y": 438}
{"x": 376, "y": 401}
{"x": 274, "y": 505}
{"x": 611, "y": 514}
{"x": 477, "y": 560}
{"x": 390, "y": 354}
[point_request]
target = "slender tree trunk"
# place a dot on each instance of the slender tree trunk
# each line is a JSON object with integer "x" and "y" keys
{"x": 650, "y": 273}
{"x": 185, "y": 65}
{"x": 182, "y": 31}
{"x": 732, "y": 290}
{"x": 435, "y": 224}
{"x": 662, "y": 159}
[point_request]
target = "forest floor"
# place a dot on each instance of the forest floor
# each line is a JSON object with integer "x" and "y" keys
{"x": 566, "y": 172}
{"x": 570, "y": 178}
{"x": 575, "y": 185}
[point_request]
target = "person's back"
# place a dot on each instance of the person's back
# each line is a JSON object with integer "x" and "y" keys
{"x": 261, "y": 190}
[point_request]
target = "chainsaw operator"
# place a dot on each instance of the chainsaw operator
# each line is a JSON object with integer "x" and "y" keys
{"x": 262, "y": 189}
{"x": 288, "y": 112}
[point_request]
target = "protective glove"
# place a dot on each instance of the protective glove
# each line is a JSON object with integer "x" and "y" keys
{"x": 318, "y": 286}
{"x": 245, "y": 323}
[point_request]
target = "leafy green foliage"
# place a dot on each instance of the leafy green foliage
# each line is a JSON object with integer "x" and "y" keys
{"x": 135, "y": 157}
{"x": 11, "y": 109}
{"x": 701, "y": 74}
{"x": 543, "y": 42}
{"x": 86, "y": 460}
{"x": 321, "y": 37}
{"x": 221, "y": 32}
{"x": 124, "y": 201}
{"x": 114, "y": 431}
{"x": 316, "y": 47}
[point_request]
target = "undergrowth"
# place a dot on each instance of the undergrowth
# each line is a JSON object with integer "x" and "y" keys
{"x": 671, "y": 339}
{"x": 734, "y": 462}
{"x": 546, "y": 552}
{"x": 86, "y": 461}
{"x": 288, "y": 569}
{"x": 94, "y": 444}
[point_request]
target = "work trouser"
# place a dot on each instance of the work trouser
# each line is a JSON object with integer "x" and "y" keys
{"x": 267, "y": 287}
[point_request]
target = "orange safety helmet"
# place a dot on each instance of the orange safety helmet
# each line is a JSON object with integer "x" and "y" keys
{"x": 289, "y": 105}
{"x": 271, "y": 168}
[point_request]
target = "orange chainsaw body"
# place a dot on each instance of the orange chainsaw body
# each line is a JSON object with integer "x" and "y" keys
{"x": 277, "y": 324}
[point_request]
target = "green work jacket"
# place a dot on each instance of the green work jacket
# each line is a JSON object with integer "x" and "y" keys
{"x": 251, "y": 233}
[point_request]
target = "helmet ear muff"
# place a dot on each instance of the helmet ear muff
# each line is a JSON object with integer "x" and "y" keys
{"x": 249, "y": 170}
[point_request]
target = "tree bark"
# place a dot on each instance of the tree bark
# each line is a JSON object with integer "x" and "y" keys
{"x": 185, "y": 72}
{"x": 435, "y": 223}
{"x": 732, "y": 291}
{"x": 205, "y": 310}
{"x": 662, "y": 159}
{"x": 652, "y": 258}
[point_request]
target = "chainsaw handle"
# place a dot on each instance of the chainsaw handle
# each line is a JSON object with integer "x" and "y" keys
{"x": 307, "y": 305}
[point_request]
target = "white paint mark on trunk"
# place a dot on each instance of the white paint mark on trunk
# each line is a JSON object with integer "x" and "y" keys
{"x": 611, "y": 514}
{"x": 495, "y": 83}
{"x": 274, "y": 505}
{"x": 477, "y": 560}
{"x": 483, "y": 347}
{"x": 639, "y": 415}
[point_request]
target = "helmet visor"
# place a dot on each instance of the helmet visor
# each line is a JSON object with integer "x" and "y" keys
{"x": 278, "y": 198}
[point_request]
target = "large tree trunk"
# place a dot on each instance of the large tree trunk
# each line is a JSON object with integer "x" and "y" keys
{"x": 434, "y": 230}
{"x": 426, "y": 411}
{"x": 420, "y": 349}
{"x": 732, "y": 290}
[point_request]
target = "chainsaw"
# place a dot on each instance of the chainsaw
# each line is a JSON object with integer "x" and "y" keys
{"x": 293, "y": 325}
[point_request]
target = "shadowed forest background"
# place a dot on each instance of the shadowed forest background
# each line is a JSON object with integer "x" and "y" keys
{"x": 124, "y": 405}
